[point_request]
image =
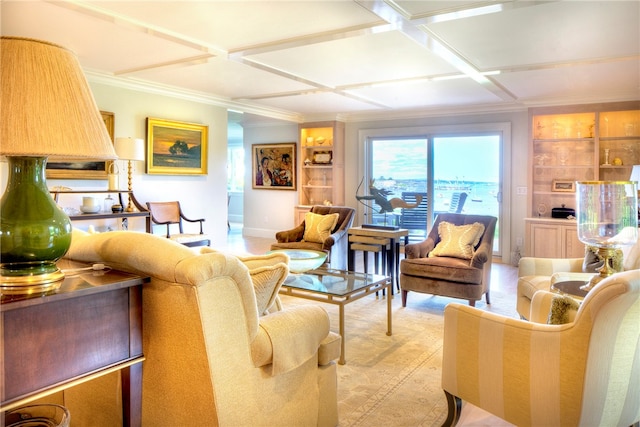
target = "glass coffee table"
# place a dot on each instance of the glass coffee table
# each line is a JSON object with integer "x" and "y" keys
{"x": 340, "y": 288}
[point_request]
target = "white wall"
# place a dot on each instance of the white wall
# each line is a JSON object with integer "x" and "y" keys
{"x": 267, "y": 211}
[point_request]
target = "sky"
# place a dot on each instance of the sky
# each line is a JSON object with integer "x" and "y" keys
{"x": 456, "y": 158}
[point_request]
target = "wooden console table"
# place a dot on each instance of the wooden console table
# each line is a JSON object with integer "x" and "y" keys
{"x": 89, "y": 327}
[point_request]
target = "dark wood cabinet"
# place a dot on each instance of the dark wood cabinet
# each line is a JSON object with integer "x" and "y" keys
{"x": 90, "y": 326}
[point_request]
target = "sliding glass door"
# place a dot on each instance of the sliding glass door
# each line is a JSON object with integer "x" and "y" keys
{"x": 432, "y": 174}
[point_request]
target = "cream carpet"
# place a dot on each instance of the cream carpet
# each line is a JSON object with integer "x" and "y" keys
{"x": 395, "y": 380}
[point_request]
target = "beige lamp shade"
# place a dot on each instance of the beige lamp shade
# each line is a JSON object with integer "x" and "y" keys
{"x": 46, "y": 105}
{"x": 130, "y": 148}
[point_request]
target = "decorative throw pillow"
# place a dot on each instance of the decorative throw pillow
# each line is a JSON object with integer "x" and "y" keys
{"x": 318, "y": 227}
{"x": 266, "y": 284}
{"x": 457, "y": 241}
{"x": 267, "y": 272}
{"x": 561, "y": 306}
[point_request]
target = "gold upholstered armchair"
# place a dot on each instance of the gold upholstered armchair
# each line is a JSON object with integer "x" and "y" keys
{"x": 581, "y": 373}
{"x": 219, "y": 349}
{"x": 454, "y": 260}
{"x": 324, "y": 229}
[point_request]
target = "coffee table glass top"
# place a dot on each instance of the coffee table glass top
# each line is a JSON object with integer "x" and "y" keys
{"x": 332, "y": 282}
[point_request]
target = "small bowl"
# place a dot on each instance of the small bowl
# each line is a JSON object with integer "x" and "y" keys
{"x": 90, "y": 209}
{"x": 303, "y": 260}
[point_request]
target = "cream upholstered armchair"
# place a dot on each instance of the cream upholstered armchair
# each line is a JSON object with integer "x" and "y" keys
{"x": 536, "y": 274}
{"x": 323, "y": 229}
{"x": 454, "y": 261}
{"x": 218, "y": 349}
{"x": 580, "y": 373}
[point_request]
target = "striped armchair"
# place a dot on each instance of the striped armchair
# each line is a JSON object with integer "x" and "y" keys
{"x": 580, "y": 373}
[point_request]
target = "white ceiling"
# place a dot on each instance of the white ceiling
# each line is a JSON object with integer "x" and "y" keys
{"x": 351, "y": 60}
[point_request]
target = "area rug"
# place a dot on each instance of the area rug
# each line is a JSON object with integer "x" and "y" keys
{"x": 395, "y": 380}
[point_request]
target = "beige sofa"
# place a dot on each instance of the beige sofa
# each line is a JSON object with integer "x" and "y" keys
{"x": 211, "y": 358}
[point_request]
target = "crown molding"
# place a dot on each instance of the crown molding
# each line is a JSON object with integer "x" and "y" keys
{"x": 188, "y": 95}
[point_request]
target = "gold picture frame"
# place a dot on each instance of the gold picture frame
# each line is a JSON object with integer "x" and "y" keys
{"x": 81, "y": 169}
{"x": 274, "y": 166}
{"x": 563, "y": 186}
{"x": 176, "y": 148}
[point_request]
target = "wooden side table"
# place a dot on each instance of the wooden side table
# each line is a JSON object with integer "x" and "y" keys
{"x": 88, "y": 328}
{"x": 394, "y": 253}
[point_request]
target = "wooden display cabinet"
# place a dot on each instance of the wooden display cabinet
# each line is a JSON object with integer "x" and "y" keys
{"x": 570, "y": 144}
{"x": 321, "y": 166}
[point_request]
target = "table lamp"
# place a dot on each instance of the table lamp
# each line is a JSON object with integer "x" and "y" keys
{"x": 131, "y": 149}
{"x": 47, "y": 111}
{"x": 607, "y": 219}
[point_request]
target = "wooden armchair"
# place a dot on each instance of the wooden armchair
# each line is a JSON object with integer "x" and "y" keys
{"x": 453, "y": 272}
{"x": 170, "y": 213}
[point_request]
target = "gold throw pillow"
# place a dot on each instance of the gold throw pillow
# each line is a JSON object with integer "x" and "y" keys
{"x": 318, "y": 227}
{"x": 457, "y": 241}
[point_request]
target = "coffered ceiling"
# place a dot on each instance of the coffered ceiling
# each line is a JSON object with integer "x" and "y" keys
{"x": 350, "y": 59}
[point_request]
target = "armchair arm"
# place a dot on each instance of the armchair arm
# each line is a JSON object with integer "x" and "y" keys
{"x": 481, "y": 255}
{"x": 419, "y": 250}
{"x": 497, "y": 363}
{"x": 293, "y": 235}
{"x": 531, "y": 266}
{"x": 287, "y": 339}
{"x": 200, "y": 220}
{"x": 333, "y": 239}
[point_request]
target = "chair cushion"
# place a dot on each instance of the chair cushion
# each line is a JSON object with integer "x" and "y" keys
{"x": 457, "y": 241}
{"x": 318, "y": 227}
{"x": 442, "y": 268}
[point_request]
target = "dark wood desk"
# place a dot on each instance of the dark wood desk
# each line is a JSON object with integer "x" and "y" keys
{"x": 89, "y": 327}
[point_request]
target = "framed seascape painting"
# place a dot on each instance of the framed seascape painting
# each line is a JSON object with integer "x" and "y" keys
{"x": 274, "y": 166}
{"x": 176, "y": 148}
{"x": 82, "y": 169}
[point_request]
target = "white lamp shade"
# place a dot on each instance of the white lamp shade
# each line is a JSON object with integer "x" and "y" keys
{"x": 130, "y": 148}
{"x": 46, "y": 106}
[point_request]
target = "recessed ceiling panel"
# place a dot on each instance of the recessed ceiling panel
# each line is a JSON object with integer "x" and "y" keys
{"x": 415, "y": 9}
{"x": 319, "y": 103}
{"x": 428, "y": 94}
{"x": 225, "y": 78}
{"x": 603, "y": 81}
{"x": 99, "y": 44}
{"x": 546, "y": 33}
{"x": 363, "y": 59}
{"x": 230, "y": 25}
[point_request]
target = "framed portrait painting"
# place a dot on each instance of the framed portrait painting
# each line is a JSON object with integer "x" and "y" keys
{"x": 176, "y": 148}
{"x": 274, "y": 166}
{"x": 82, "y": 169}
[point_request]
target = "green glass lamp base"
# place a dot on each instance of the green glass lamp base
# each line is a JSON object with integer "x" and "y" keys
{"x": 34, "y": 232}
